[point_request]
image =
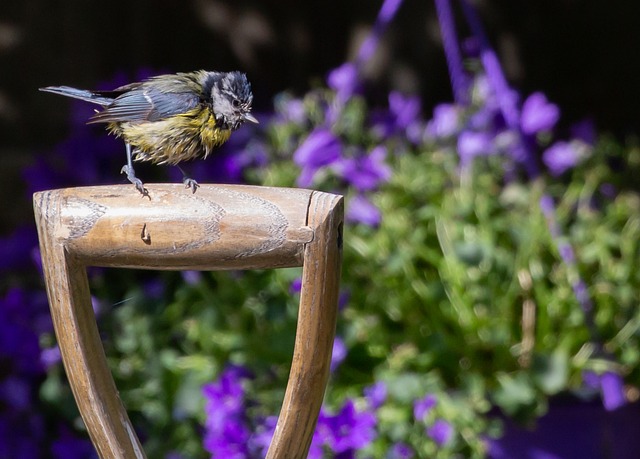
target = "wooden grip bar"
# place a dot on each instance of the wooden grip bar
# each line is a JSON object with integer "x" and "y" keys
{"x": 219, "y": 227}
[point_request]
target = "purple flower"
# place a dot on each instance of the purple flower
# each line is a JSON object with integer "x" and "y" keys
{"x": 191, "y": 277}
{"x": 319, "y": 149}
{"x": 400, "y": 451}
{"x": 612, "y": 388}
{"x": 376, "y": 394}
{"x": 560, "y": 157}
{"x": 25, "y": 316}
{"x": 350, "y": 430}
{"x": 365, "y": 172}
{"x": 609, "y": 384}
{"x": 385, "y": 15}
{"x": 15, "y": 249}
{"x": 361, "y": 210}
{"x": 405, "y": 109}
{"x": 260, "y": 441}
{"x": 422, "y": 406}
{"x": 290, "y": 109}
{"x": 69, "y": 446}
{"x": 153, "y": 288}
{"x": 566, "y": 252}
{"x": 440, "y": 432}
{"x": 50, "y": 357}
{"x": 472, "y": 144}
{"x": 296, "y": 285}
{"x": 226, "y": 430}
{"x": 446, "y": 122}
{"x": 459, "y": 80}
{"x": 230, "y": 442}
{"x": 322, "y": 435}
{"x": 339, "y": 353}
{"x": 538, "y": 114}
{"x": 15, "y": 392}
{"x": 344, "y": 80}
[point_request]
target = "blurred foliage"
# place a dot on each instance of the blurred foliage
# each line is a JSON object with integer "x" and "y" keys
{"x": 459, "y": 292}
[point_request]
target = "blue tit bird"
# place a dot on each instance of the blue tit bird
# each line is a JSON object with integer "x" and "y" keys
{"x": 168, "y": 119}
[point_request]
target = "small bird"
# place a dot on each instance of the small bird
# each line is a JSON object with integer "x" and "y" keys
{"x": 168, "y": 119}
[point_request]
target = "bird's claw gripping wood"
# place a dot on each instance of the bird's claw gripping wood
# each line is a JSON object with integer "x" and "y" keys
{"x": 190, "y": 183}
{"x": 128, "y": 170}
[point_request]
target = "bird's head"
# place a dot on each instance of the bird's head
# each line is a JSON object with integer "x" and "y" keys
{"x": 231, "y": 100}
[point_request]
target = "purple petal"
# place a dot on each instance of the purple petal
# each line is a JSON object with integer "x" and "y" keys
{"x": 320, "y": 148}
{"x": 406, "y": 109}
{"x": 440, "y": 432}
{"x": 560, "y": 157}
{"x": 365, "y": 172}
{"x": 612, "y": 388}
{"x": 296, "y": 285}
{"x": 191, "y": 277}
{"x": 445, "y": 123}
{"x": 376, "y": 394}
{"x": 361, "y": 210}
{"x": 352, "y": 430}
{"x": 400, "y": 451}
{"x": 421, "y": 407}
{"x": 538, "y": 114}
{"x": 472, "y": 144}
{"x": 344, "y": 79}
{"x": 339, "y": 353}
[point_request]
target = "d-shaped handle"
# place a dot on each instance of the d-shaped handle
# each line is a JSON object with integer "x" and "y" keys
{"x": 219, "y": 227}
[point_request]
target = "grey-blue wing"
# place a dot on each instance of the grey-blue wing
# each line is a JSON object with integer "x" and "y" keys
{"x": 146, "y": 104}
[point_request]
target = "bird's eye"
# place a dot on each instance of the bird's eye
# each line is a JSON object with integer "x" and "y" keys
{"x": 235, "y": 103}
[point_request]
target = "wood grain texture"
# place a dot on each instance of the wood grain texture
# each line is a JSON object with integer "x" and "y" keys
{"x": 219, "y": 227}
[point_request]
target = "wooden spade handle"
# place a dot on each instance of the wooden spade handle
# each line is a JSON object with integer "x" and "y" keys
{"x": 219, "y": 227}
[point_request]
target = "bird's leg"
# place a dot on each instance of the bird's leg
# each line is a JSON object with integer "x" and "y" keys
{"x": 131, "y": 175}
{"x": 188, "y": 181}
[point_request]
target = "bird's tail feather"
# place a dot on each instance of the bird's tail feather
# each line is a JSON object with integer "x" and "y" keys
{"x": 82, "y": 94}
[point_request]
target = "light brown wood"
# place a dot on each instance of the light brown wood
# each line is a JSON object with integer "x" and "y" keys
{"x": 219, "y": 227}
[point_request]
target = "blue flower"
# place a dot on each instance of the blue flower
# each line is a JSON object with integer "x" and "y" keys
{"x": 560, "y": 157}
{"x": 296, "y": 285}
{"x": 339, "y": 353}
{"x": 15, "y": 249}
{"x": 319, "y": 149}
{"x": 405, "y": 109}
{"x": 376, "y": 394}
{"x": 361, "y": 210}
{"x": 260, "y": 441}
{"x": 365, "y": 172}
{"x": 445, "y": 123}
{"x": 472, "y": 144}
{"x": 351, "y": 430}
{"x": 610, "y": 385}
{"x": 191, "y": 277}
{"x": 50, "y": 357}
{"x": 290, "y": 109}
{"x": 403, "y": 117}
{"x": 400, "y": 451}
{"x": 441, "y": 432}
{"x": 344, "y": 80}
{"x": 226, "y": 431}
{"x": 69, "y": 446}
{"x": 538, "y": 114}
{"x": 422, "y": 406}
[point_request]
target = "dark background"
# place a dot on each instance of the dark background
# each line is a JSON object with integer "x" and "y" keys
{"x": 584, "y": 54}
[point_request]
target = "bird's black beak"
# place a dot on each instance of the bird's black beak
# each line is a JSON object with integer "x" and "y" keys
{"x": 250, "y": 117}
